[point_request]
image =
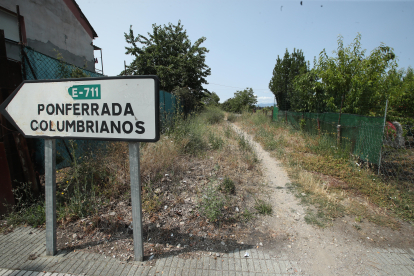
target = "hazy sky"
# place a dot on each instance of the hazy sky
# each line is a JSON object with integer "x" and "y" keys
{"x": 245, "y": 37}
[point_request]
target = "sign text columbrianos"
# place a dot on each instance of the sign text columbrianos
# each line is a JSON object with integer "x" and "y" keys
{"x": 117, "y": 108}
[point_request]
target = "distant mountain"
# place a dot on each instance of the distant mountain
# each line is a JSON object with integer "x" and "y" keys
{"x": 265, "y": 104}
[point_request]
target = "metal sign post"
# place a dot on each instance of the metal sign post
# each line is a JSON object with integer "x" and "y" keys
{"x": 115, "y": 108}
{"x": 50, "y": 195}
{"x": 135, "y": 179}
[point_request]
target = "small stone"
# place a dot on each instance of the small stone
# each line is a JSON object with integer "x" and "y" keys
{"x": 112, "y": 213}
{"x": 165, "y": 207}
{"x": 289, "y": 246}
{"x": 182, "y": 223}
{"x": 157, "y": 191}
{"x": 179, "y": 245}
{"x": 217, "y": 254}
{"x": 237, "y": 209}
{"x": 261, "y": 244}
{"x": 223, "y": 243}
{"x": 74, "y": 236}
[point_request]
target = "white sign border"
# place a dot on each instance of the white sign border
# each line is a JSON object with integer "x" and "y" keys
{"x": 6, "y": 102}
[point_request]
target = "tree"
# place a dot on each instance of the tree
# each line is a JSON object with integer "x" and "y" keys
{"x": 308, "y": 94}
{"x": 189, "y": 100}
{"x": 401, "y": 101}
{"x": 242, "y": 100}
{"x": 211, "y": 99}
{"x": 285, "y": 71}
{"x": 169, "y": 54}
{"x": 354, "y": 83}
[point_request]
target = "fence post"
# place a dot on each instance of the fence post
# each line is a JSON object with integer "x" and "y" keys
{"x": 319, "y": 125}
{"x": 382, "y": 138}
{"x": 338, "y": 135}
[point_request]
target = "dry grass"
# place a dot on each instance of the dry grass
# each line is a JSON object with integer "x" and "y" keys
{"x": 328, "y": 177}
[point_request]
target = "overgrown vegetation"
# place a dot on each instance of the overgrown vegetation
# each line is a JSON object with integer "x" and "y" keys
{"x": 28, "y": 209}
{"x": 212, "y": 203}
{"x": 329, "y": 177}
{"x": 97, "y": 179}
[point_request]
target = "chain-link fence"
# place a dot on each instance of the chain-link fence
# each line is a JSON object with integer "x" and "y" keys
{"x": 37, "y": 66}
{"x": 386, "y": 148}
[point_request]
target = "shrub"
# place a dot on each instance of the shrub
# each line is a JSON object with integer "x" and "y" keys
{"x": 27, "y": 209}
{"x": 212, "y": 203}
{"x": 215, "y": 141}
{"x": 189, "y": 134}
{"x": 213, "y": 115}
{"x": 228, "y": 186}
{"x": 231, "y": 117}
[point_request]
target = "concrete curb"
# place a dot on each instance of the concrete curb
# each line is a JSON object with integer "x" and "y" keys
{"x": 22, "y": 252}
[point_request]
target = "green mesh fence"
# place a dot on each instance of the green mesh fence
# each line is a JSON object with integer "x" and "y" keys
{"x": 168, "y": 109}
{"x": 38, "y": 66}
{"x": 361, "y": 134}
{"x": 43, "y": 67}
{"x": 275, "y": 112}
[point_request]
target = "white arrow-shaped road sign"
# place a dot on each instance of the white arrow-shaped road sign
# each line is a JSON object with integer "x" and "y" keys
{"x": 114, "y": 108}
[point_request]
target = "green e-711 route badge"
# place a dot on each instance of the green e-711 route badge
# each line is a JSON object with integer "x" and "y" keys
{"x": 85, "y": 92}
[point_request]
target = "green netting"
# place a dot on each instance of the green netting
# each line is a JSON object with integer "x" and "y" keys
{"x": 363, "y": 135}
{"x": 275, "y": 112}
{"x": 49, "y": 68}
{"x": 168, "y": 109}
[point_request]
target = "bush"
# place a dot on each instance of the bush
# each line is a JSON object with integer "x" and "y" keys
{"x": 228, "y": 186}
{"x": 212, "y": 204}
{"x": 27, "y": 209}
{"x": 244, "y": 143}
{"x": 189, "y": 134}
{"x": 216, "y": 142}
{"x": 213, "y": 115}
{"x": 231, "y": 117}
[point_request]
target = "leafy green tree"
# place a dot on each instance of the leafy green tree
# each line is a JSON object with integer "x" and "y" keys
{"x": 242, "y": 100}
{"x": 401, "y": 102}
{"x": 189, "y": 100}
{"x": 354, "y": 83}
{"x": 168, "y": 53}
{"x": 285, "y": 71}
{"x": 211, "y": 99}
{"x": 308, "y": 94}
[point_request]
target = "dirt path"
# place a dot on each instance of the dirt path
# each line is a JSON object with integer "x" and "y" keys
{"x": 336, "y": 250}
